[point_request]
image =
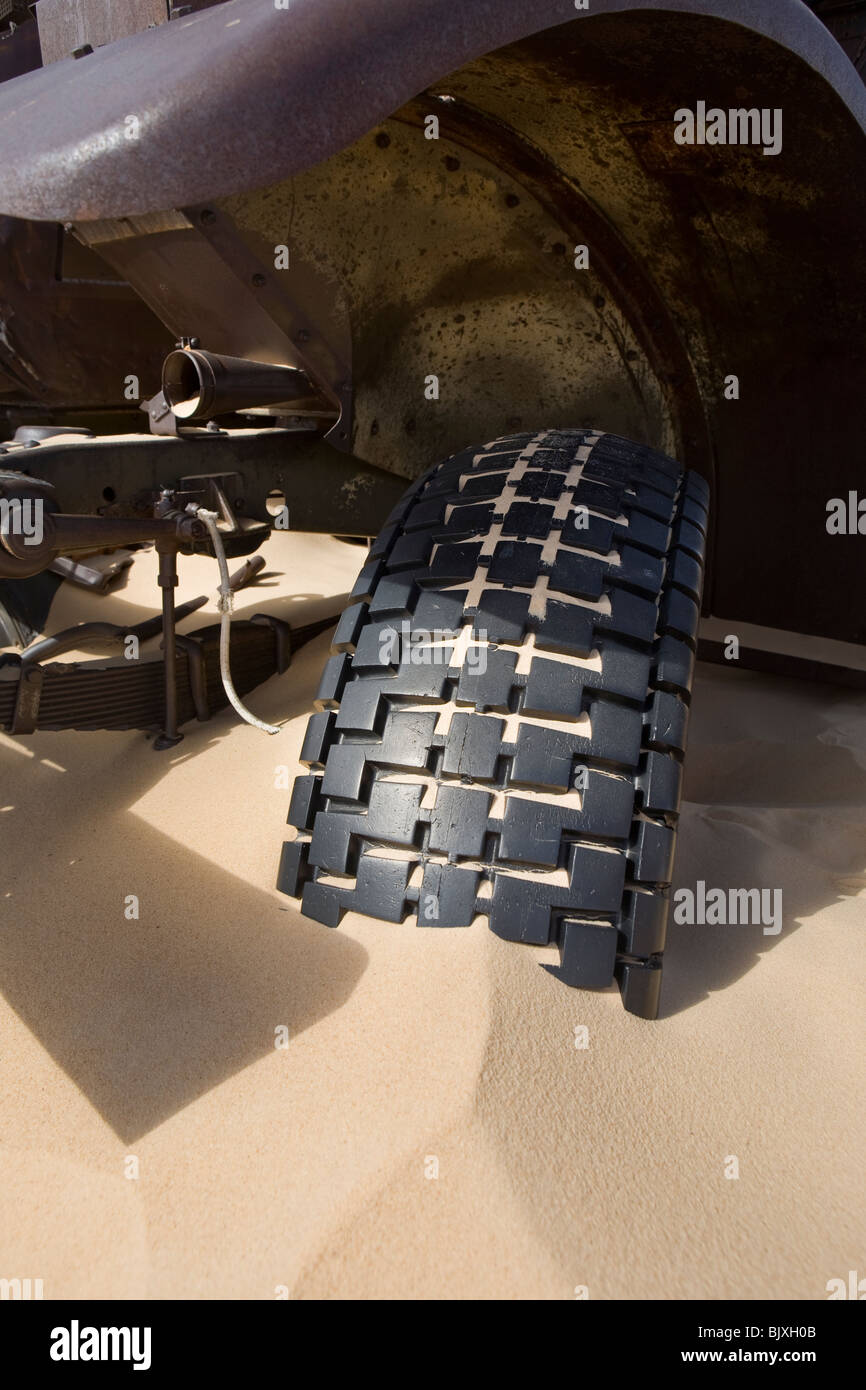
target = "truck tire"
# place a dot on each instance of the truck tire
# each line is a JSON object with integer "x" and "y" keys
{"x": 501, "y": 725}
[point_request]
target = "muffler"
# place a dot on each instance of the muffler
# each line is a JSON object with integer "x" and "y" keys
{"x": 200, "y": 385}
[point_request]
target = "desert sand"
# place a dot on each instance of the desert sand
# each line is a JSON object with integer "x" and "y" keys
{"x": 306, "y": 1171}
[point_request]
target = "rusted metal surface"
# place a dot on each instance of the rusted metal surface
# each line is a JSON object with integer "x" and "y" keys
{"x": 302, "y": 299}
{"x": 451, "y": 268}
{"x": 200, "y": 276}
{"x": 447, "y": 259}
{"x": 324, "y": 489}
{"x": 65, "y": 25}
{"x": 307, "y": 80}
{"x": 68, "y": 339}
{"x": 623, "y": 276}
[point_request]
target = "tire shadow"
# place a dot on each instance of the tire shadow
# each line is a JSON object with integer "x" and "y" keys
{"x": 775, "y": 798}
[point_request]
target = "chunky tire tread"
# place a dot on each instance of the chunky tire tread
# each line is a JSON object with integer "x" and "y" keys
{"x": 540, "y": 788}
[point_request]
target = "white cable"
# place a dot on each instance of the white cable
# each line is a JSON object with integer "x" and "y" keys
{"x": 225, "y": 604}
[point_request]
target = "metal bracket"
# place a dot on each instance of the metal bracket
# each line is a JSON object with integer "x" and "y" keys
{"x": 160, "y": 416}
{"x": 282, "y": 635}
{"x": 27, "y": 700}
{"x": 197, "y": 669}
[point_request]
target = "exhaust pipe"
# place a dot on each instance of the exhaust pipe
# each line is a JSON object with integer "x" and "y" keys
{"x": 198, "y": 385}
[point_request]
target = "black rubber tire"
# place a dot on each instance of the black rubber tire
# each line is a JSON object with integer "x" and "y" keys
{"x": 580, "y": 555}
